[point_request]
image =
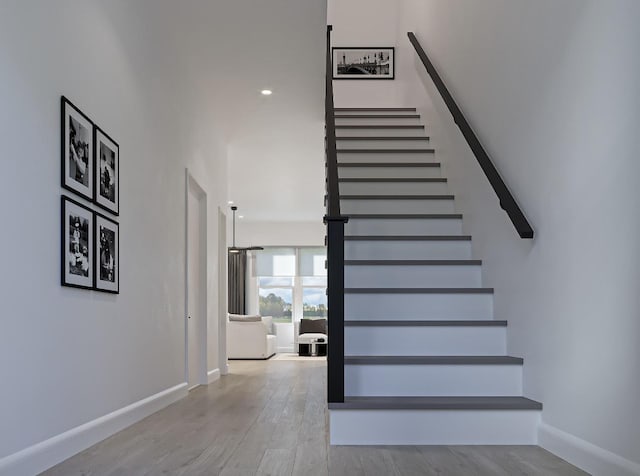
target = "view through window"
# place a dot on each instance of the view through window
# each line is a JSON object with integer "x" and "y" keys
{"x": 291, "y": 283}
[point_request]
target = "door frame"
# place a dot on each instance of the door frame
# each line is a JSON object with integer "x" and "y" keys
{"x": 222, "y": 292}
{"x": 191, "y": 184}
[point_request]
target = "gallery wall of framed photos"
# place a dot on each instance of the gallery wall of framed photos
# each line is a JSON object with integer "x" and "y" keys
{"x": 90, "y": 165}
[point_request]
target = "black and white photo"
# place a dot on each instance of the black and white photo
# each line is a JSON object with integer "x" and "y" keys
{"x": 107, "y": 172}
{"x": 107, "y": 252}
{"x": 363, "y": 63}
{"x": 77, "y": 150}
{"x": 77, "y": 244}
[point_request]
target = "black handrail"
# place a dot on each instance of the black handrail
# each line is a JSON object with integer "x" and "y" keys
{"x": 507, "y": 202}
{"x": 335, "y": 247}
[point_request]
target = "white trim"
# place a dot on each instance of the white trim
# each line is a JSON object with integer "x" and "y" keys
{"x": 585, "y": 455}
{"x": 213, "y": 375}
{"x": 48, "y": 453}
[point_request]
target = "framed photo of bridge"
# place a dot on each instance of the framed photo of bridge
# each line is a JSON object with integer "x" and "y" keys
{"x": 363, "y": 62}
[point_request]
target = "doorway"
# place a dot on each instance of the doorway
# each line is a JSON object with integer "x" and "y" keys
{"x": 196, "y": 285}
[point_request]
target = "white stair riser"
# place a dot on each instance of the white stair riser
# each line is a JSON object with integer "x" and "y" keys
{"x": 394, "y": 188}
{"x": 397, "y": 206}
{"x": 425, "y": 340}
{"x": 383, "y": 144}
{"x": 401, "y": 226}
{"x": 371, "y": 132}
{"x": 418, "y": 157}
{"x": 419, "y": 306}
{"x": 399, "y": 276}
{"x": 370, "y": 112}
{"x": 433, "y": 427}
{"x": 432, "y": 380}
{"x": 383, "y": 121}
{"x": 407, "y": 250}
{"x": 389, "y": 172}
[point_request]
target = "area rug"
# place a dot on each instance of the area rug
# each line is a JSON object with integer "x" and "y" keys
{"x": 285, "y": 356}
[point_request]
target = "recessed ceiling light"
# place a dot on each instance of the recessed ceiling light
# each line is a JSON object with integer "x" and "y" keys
{"x": 230, "y": 202}
{"x": 240, "y": 216}
{"x": 266, "y": 92}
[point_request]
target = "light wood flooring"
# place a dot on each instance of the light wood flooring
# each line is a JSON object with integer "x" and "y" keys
{"x": 270, "y": 418}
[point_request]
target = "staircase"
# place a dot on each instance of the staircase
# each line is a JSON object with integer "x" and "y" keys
{"x": 424, "y": 360}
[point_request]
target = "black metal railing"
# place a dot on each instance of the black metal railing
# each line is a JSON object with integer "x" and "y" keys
{"x": 335, "y": 247}
{"x": 507, "y": 202}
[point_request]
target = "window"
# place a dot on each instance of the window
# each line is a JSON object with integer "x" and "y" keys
{"x": 291, "y": 283}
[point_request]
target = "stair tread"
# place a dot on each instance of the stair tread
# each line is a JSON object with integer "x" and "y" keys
{"x": 365, "y": 138}
{"x": 385, "y": 151}
{"x": 426, "y": 323}
{"x": 389, "y": 164}
{"x": 379, "y": 126}
{"x": 407, "y": 238}
{"x": 397, "y": 197}
{"x": 418, "y": 290}
{"x": 413, "y": 262}
{"x": 396, "y": 180}
{"x": 432, "y": 360}
{"x": 437, "y": 403}
{"x": 345, "y": 109}
{"x": 377, "y": 116}
{"x": 404, "y": 215}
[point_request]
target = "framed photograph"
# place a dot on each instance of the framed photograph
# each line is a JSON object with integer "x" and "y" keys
{"x": 106, "y": 180}
{"x": 77, "y": 150}
{"x": 77, "y": 245}
{"x": 363, "y": 63}
{"x": 108, "y": 253}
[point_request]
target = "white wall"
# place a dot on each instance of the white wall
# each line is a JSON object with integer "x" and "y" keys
{"x": 364, "y": 23}
{"x": 70, "y": 356}
{"x": 551, "y": 90}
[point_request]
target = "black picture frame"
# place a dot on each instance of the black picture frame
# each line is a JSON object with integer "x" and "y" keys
{"x": 106, "y": 150}
{"x": 76, "y": 150}
{"x": 107, "y": 268}
{"x": 77, "y": 244}
{"x": 372, "y": 70}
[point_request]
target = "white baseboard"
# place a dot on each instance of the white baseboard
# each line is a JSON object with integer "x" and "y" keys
{"x": 585, "y": 455}
{"x": 48, "y": 453}
{"x": 224, "y": 369}
{"x": 213, "y": 375}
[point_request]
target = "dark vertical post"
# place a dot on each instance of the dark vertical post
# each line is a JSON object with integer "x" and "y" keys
{"x": 335, "y": 305}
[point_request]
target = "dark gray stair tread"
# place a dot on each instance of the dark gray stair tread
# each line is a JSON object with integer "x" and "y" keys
{"x": 397, "y": 197}
{"x": 346, "y": 109}
{"x": 418, "y": 290}
{"x": 379, "y": 126}
{"x": 377, "y": 116}
{"x": 407, "y": 238}
{"x": 389, "y": 164}
{"x": 436, "y": 403}
{"x": 385, "y": 151}
{"x": 432, "y": 360}
{"x": 393, "y": 180}
{"x": 413, "y": 262}
{"x": 383, "y": 138}
{"x": 406, "y": 216}
{"x": 427, "y": 323}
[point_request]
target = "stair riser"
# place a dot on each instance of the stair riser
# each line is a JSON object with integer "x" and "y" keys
{"x": 425, "y": 340}
{"x": 401, "y": 226}
{"x": 394, "y": 188}
{"x": 373, "y": 112}
{"x": 407, "y": 250}
{"x": 419, "y": 306}
{"x": 433, "y": 427}
{"x": 383, "y": 121}
{"x": 397, "y": 206}
{"x": 389, "y": 172}
{"x": 370, "y": 132}
{"x": 432, "y": 380}
{"x": 413, "y": 276}
{"x": 418, "y": 157}
{"x": 383, "y": 144}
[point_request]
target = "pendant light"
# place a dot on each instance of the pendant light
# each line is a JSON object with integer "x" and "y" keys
{"x": 234, "y": 249}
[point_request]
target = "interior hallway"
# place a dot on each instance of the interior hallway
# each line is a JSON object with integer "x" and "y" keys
{"x": 270, "y": 418}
